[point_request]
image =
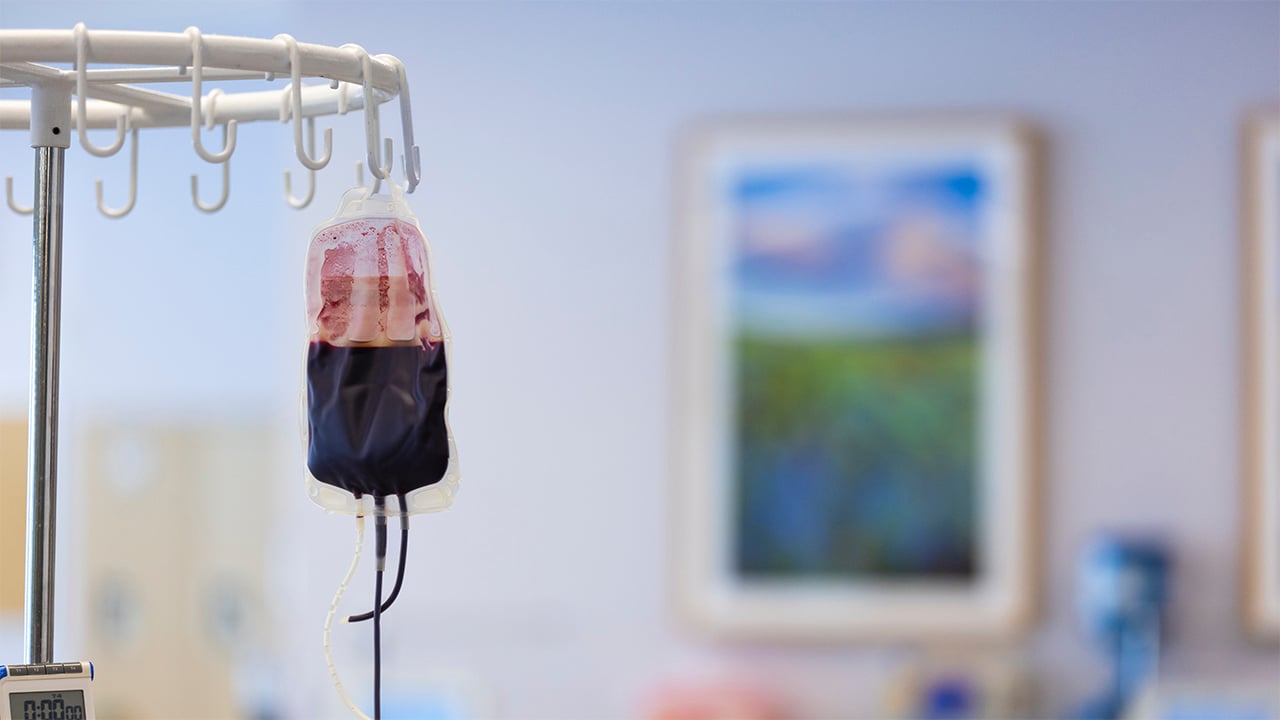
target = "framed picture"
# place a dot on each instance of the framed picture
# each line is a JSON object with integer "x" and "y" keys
{"x": 855, "y": 422}
{"x": 1261, "y": 387}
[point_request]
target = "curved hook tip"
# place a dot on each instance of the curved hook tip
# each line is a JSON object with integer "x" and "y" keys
{"x": 222, "y": 201}
{"x": 13, "y": 204}
{"x": 382, "y": 172}
{"x": 412, "y": 169}
{"x": 305, "y": 200}
{"x": 133, "y": 184}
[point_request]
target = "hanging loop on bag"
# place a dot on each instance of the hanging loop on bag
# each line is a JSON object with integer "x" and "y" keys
{"x": 133, "y": 182}
{"x": 197, "y": 76}
{"x": 372, "y": 124}
{"x": 295, "y": 76}
{"x": 82, "y": 95}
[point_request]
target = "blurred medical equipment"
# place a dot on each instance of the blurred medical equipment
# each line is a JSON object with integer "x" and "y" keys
{"x": 46, "y": 691}
{"x": 715, "y": 699}
{"x": 1124, "y": 590}
{"x": 958, "y": 684}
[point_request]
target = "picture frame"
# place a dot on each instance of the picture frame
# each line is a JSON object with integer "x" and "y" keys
{"x": 1260, "y": 506}
{"x": 820, "y": 490}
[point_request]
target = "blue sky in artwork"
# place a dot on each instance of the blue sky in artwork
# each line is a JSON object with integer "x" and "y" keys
{"x": 839, "y": 249}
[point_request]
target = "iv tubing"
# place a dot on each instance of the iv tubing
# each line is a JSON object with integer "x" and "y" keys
{"x": 404, "y": 549}
{"x": 333, "y": 610}
{"x": 380, "y": 528}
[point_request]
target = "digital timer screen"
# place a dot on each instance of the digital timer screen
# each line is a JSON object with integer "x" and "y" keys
{"x": 65, "y": 705}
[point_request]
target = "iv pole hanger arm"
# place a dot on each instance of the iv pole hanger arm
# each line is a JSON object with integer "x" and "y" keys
{"x": 173, "y": 50}
{"x": 171, "y": 58}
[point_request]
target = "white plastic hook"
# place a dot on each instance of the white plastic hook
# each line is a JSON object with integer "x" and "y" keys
{"x": 311, "y": 174}
{"x": 30, "y": 209}
{"x": 412, "y": 160}
{"x": 133, "y": 182}
{"x": 372, "y": 129}
{"x": 295, "y": 75}
{"x": 82, "y": 95}
{"x": 226, "y": 184}
{"x": 228, "y": 129}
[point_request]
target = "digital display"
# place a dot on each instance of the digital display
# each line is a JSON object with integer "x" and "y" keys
{"x": 62, "y": 705}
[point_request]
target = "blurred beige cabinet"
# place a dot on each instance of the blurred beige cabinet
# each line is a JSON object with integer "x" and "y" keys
{"x": 1260, "y": 398}
{"x": 13, "y": 512}
{"x": 173, "y": 562}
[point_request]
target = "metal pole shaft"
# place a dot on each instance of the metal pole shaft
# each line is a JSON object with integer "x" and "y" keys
{"x": 42, "y": 451}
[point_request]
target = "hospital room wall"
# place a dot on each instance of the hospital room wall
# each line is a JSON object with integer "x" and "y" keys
{"x": 548, "y": 138}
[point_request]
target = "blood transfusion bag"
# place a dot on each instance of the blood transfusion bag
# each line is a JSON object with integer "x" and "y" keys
{"x": 377, "y": 363}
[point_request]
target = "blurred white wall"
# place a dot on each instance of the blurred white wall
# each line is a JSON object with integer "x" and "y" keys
{"x": 547, "y": 134}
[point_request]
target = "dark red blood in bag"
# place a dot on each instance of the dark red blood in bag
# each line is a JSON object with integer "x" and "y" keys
{"x": 376, "y": 416}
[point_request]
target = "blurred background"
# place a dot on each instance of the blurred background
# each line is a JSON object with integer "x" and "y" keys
{"x": 551, "y": 136}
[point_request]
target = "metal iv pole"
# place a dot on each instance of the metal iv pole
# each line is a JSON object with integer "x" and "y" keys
{"x": 50, "y": 136}
{"x": 124, "y": 105}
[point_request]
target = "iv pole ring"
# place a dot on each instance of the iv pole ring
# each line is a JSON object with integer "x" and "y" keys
{"x": 82, "y": 92}
{"x": 197, "y": 77}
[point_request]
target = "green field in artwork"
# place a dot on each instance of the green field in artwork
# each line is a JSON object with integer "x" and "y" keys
{"x": 856, "y": 457}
